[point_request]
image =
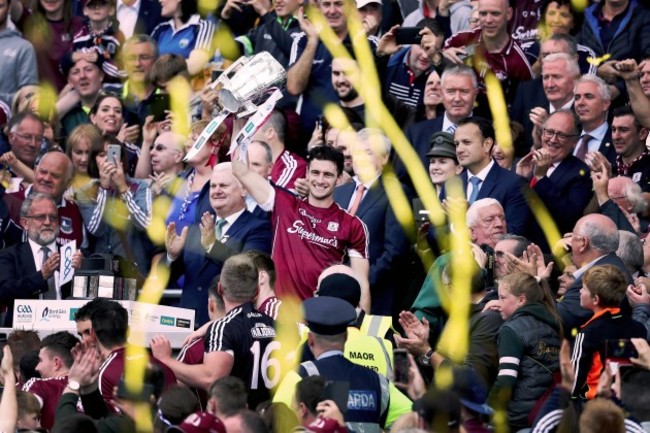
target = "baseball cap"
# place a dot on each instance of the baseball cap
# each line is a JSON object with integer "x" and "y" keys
{"x": 362, "y": 3}
{"x": 199, "y": 422}
{"x": 442, "y": 144}
{"x": 471, "y": 390}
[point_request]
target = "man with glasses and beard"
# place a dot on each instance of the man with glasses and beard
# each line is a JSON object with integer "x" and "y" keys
{"x": 29, "y": 270}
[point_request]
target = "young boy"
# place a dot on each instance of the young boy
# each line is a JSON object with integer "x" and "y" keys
{"x": 603, "y": 290}
{"x": 29, "y": 411}
{"x": 99, "y": 36}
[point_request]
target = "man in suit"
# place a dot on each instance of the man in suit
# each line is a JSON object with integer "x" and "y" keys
{"x": 594, "y": 242}
{"x": 200, "y": 250}
{"x": 459, "y": 91}
{"x": 52, "y": 176}
{"x": 592, "y": 101}
{"x": 29, "y": 270}
{"x": 484, "y": 178}
{"x": 139, "y": 53}
{"x": 547, "y": 94}
{"x": 138, "y": 17}
{"x": 560, "y": 180}
{"x": 366, "y": 198}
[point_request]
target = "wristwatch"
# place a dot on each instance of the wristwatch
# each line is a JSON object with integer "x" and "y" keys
{"x": 425, "y": 359}
{"x": 73, "y": 385}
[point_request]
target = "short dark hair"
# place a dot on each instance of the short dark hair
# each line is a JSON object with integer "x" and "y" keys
{"x": 326, "y": 153}
{"x": 60, "y": 344}
{"x": 309, "y": 390}
{"x": 99, "y": 147}
{"x": 177, "y": 403}
{"x": 230, "y": 394}
{"x": 252, "y": 422}
{"x": 18, "y": 118}
{"x": 264, "y": 262}
{"x": 432, "y": 25}
{"x": 110, "y": 324}
{"x": 484, "y": 125}
{"x": 278, "y": 121}
{"x": 626, "y": 110}
{"x": 569, "y": 40}
{"x": 75, "y": 423}
{"x": 85, "y": 312}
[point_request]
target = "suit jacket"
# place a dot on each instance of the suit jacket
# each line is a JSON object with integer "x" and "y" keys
{"x": 530, "y": 94}
{"x": 419, "y": 135}
{"x": 19, "y": 278}
{"x": 607, "y": 147}
{"x": 566, "y": 192}
{"x": 572, "y": 314}
{"x": 387, "y": 242}
{"x": 508, "y": 188}
{"x": 200, "y": 267}
{"x": 148, "y": 17}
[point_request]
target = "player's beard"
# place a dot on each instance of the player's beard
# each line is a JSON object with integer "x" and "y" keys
{"x": 350, "y": 96}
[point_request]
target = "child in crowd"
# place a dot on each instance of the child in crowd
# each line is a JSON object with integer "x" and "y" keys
{"x": 29, "y": 411}
{"x": 99, "y": 36}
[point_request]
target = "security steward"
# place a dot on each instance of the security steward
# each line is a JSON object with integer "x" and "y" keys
{"x": 373, "y": 402}
{"x": 364, "y": 346}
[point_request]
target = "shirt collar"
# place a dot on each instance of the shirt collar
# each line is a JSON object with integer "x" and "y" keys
{"x": 368, "y": 185}
{"x": 566, "y": 106}
{"x": 194, "y": 19}
{"x": 135, "y": 5}
{"x": 483, "y": 173}
{"x": 598, "y": 133}
{"x": 230, "y": 219}
{"x": 330, "y": 353}
{"x": 36, "y": 248}
{"x": 578, "y": 274}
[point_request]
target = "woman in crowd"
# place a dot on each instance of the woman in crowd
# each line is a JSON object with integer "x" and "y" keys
{"x": 117, "y": 209}
{"x": 108, "y": 116}
{"x": 528, "y": 344}
{"x": 185, "y": 34}
{"x": 81, "y": 140}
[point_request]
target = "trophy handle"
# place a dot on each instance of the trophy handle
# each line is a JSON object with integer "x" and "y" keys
{"x": 224, "y": 78}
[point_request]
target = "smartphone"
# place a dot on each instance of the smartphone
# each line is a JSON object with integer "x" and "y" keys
{"x": 144, "y": 395}
{"x": 408, "y": 36}
{"x": 400, "y": 366}
{"x": 469, "y": 51}
{"x": 620, "y": 351}
{"x": 158, "y": 106}
{"x": 216, "y": 74}
{"x": 114, "y": 154}
{"x": 338, "y": 391}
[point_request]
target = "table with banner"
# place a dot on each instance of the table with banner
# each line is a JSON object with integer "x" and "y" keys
{"x": 145, "y": 320}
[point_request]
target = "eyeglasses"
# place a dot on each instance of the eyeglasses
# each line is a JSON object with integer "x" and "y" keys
{"x": 561, "y": 136}
{"x": 42, "y": 217}
{"x": 499, "y": 254}
{"x": 29, "y": 137}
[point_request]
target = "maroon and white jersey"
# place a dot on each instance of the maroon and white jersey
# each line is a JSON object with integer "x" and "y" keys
{"x": 287, "y": 169}
{"x": 48, "y": 392}
{"x": 112, "y": 369}
{"x": 524, "y": 25}
{"x": 270, "y": 306}
{"x": 192, "y": 354}
{"x": 308, "y": 239}
{"x": 510, "y": 64}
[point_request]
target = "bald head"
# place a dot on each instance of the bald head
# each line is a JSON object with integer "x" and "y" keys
{"x": 594, "y": 235}
{"x": 337, "y": 269}
{"x": 167, "y": 153}
{"x": 53, "y": 174}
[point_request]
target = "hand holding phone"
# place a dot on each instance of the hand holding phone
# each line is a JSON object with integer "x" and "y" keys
{"x": 114, "y": 154}
{"x": 408, "y": 36}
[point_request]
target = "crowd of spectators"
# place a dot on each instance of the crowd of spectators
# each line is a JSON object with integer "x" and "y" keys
{"x": 508, "y": 289}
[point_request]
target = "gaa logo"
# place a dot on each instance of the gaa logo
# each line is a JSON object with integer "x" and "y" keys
{"x": 24, "y": 309}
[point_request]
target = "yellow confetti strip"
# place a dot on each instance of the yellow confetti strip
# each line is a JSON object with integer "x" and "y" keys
{"x": 596, "y": 61}
{"x": 224, "y": 41}
{"x": 499, "y": 111}
{"x": 579, "y": 5}
{"x": 180, "y": 94}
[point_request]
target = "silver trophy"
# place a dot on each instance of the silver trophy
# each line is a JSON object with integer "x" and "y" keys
{"x": 247, "y": 80}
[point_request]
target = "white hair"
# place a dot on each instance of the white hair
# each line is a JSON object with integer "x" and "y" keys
{"x": 602, "y": 86}
{"x": 571, "y": 65}
{"x": 471, "y": 216}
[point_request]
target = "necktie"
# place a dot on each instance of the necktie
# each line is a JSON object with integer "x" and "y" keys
{"x": 357, "y": 199}
{"x": 51, "y": 292}
{"x": 218, "y": 229}
{"x": 451, "y": 129}
{"x": 475, "y": 181}
{"x": 583, "y": 147}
